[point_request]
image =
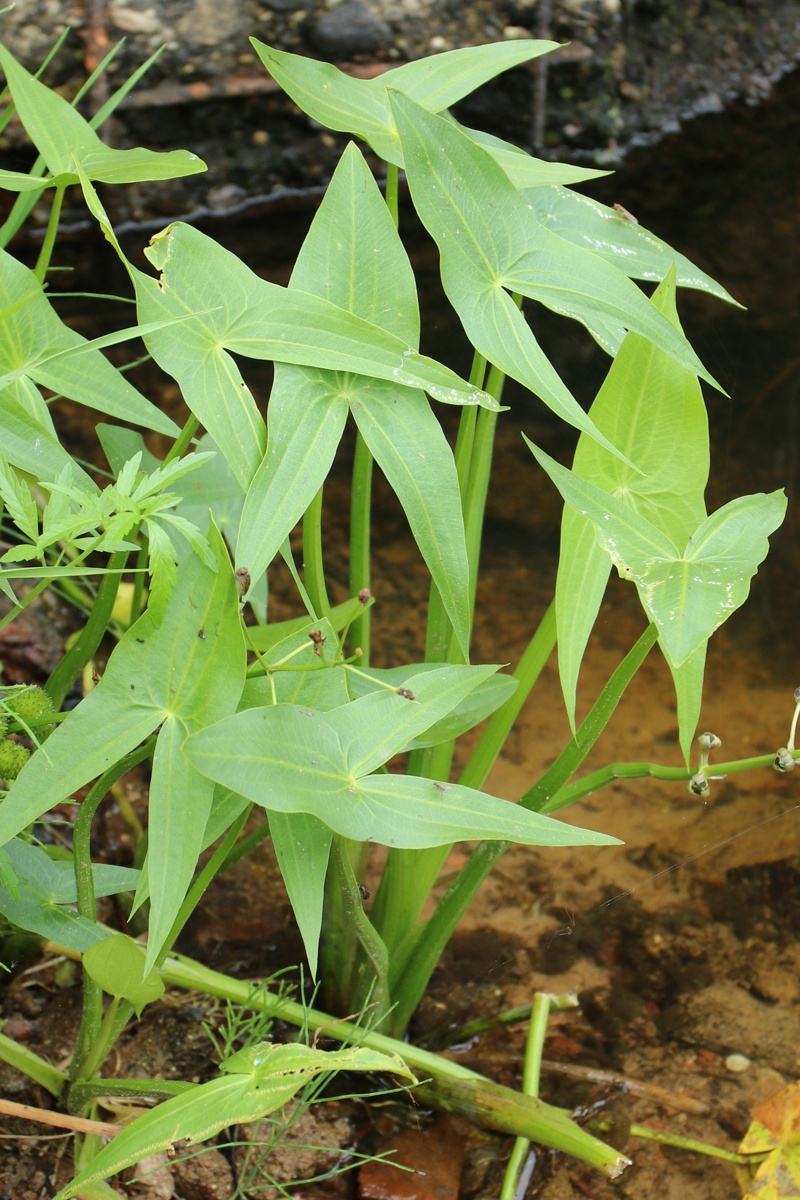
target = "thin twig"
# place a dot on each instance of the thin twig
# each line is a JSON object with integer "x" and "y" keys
{"x": 650, "y": 1091}
{"x": 61, "y": 1120}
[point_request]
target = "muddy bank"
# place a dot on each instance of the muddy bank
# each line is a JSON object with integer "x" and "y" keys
{"x": 632, "y": 71}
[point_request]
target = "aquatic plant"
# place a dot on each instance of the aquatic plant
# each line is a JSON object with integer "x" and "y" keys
{"x": 236, "y": 712}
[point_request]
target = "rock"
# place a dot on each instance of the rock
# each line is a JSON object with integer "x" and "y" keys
{"x": 349, "y": 29}
{"x": 436, "y": 1155}
{"x": 286, "y": 5}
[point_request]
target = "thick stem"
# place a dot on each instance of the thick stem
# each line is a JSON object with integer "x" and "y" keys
{"x": 184, "y": 439}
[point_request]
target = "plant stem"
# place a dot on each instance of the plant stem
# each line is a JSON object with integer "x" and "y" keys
{"x": 537, "y": 1029}
{"x": 30, "y": 1064}
{"x": 641, "y": 770}
{"x": 360, "y": 517}
{"x": 409, "y": 875}
{"x": 371, "y": 976}
{"x": 219, "y": 859}
{"x": 46, "y": 252}
{"x": 456, "y": 1088}
{"x": 92, "y": 634}
{"x": 183, "y": 440}
{"x": 537, "y": 798}
{"x": 436, "y": 933}
{"x": 527, "y": 671}
{"x": 138, "y": 581}
{"x": 392, "y": 190}
{"x": 92, "y": 1013}
{"x": 313, "y": 567}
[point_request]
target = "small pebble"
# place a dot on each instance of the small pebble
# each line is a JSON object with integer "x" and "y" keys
{"x": 737, "y": 1063}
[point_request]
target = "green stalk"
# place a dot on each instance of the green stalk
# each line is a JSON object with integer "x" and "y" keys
{"x": 360, "y": 520}
{"x": 85, "y": 1093}
{"x": 138, "y": 580}
{"x": 313, "y": 567}
{"x": 409, "y": 875}
{"x": 542, "y": 1006}
{"x": 527, "y": 671}
{"x": 693, "y": 1145}
{"x": 46, "y": 252}
{"x": 430, "y": 944}
{"x": 92, "y": 634}
{"x": 642, "y": 770}
{"x": 116, "y": 1017}
{"x": 339, "y": 948}
{"x": 454, "y": 1087}
{"x": 372, "y": 963}
{"x": 183, "y": 441}
{"x": 538, "y": 797}
{"x": 30, "y": 1064}
{"x": 92, "y": 1013}
{"x": 219, "y": 859}
{"x": 392, "y": 192}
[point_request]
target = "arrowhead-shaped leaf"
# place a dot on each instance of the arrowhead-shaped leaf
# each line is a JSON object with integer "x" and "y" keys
{"x": 31, "y": 338}
{"x": 296, "y": 760}
{"x": 62, "y": 137}
{"x": 491, "y": 244}
{"x": 653, "y": 411}
{"x": 257, "y": 1082}
{"x": 687, "y": 593}
{"x": 607, "y": 232}
{"x": 360, "y": 106}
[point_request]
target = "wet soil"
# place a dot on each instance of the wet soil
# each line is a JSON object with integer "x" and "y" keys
{"x": 681, "y": 943}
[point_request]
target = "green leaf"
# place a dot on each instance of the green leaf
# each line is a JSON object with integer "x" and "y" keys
{"x": 605, "y": 231}
{"x": 489, "y": 241}
{"x": 31, "y": 910}
{"x": 307, "y": 414}
{"x": 302, "y": 847}
{"x": 258, "y": 1082}
{"x": 362, "y": 267}
{"x": 413, "y": 812}
{"x": 374, "y": 728}
{"x": 62, "y": 137}
{"x": 523, "y": 169}
{"x": 653, "y": 411}
{"x": 407, "y": 442}
{"x": 31, "y": 339}
{"x": 359, "y": 106}
{"x": 55, "y": 880}
{"x": 121, "y": 444}
{"x": 245, "y": 315}
{"x": 690, "y": 593}
{"x": 117, "y": 965}
{"x": 29, "y": 444}
{"x": 481, "y": 702}
{"x": 158, "y": 675}
{"x": 296, "y": 760}
{"x": 688, "y": 681}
